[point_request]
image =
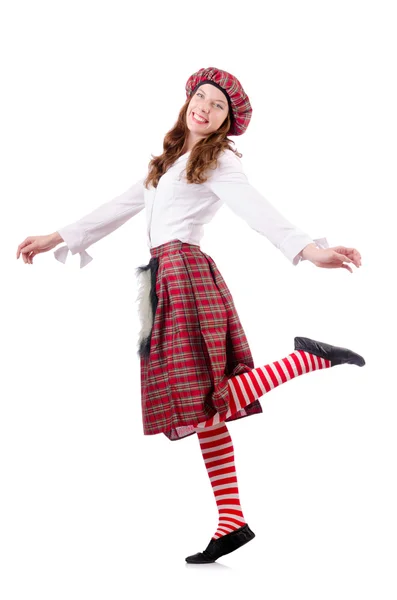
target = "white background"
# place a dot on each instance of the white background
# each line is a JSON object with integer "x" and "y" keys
{"x": 89, "y": 506}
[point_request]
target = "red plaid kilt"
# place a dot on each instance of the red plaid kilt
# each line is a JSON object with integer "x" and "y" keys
{"x": 196, "y": 343}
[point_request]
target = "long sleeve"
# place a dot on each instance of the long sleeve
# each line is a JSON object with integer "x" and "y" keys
{"x": 229, "y": 183}
{"x": 100, "y": 222}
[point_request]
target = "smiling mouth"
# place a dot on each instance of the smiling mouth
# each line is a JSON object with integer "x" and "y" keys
{"x": 197, "y": 120}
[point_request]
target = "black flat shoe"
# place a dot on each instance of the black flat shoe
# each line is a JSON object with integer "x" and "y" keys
{"x": 223, "y": 545}
{"x": 335, "y": 354}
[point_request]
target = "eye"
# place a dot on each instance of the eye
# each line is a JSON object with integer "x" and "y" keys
{"x": 200, "y": 94}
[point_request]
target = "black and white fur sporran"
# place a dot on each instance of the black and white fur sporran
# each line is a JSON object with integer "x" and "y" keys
{"x": 147, "y": 304}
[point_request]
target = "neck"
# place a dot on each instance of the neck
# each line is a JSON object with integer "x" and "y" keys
{"x": 191, "y": 141}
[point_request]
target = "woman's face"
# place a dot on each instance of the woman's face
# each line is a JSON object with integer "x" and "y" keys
{"x": 209, "y": 103}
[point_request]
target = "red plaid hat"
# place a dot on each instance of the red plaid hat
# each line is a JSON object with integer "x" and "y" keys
{"x": 239, "y": 104}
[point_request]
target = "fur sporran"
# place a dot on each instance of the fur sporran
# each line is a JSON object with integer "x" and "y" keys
{"x": 147, "y": 304}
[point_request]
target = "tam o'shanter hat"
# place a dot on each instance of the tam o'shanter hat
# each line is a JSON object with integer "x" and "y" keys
{"x": 239, "y": 103}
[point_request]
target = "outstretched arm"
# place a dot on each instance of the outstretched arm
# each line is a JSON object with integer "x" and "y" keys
{"x": 230, "y": 184}
{"x": 100, "y": 222}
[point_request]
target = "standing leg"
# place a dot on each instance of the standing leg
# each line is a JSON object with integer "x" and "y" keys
{"x": 218, "y": 454}
{"x": 233, "y": 532}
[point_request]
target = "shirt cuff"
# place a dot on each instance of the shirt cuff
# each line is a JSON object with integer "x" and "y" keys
{"x": 62, "y": 253}
{"x": 320, "y": 243}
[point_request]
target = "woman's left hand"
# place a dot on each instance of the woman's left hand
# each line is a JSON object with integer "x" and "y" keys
{"x": 333, "y": 258}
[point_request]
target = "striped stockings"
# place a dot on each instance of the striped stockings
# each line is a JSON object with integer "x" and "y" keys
{"x": 214, "y": 437}
{"x": 218, "y": 453}
{"x": 247, "y": 387}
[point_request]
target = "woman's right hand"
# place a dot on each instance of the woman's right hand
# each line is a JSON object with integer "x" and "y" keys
{"x": 35, "y": 244}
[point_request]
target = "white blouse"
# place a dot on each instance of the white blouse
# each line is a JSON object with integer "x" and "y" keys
{"x": 179, "y": 210}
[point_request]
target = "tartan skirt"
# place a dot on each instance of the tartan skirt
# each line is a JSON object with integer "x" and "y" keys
{"x": 191, "y": 341}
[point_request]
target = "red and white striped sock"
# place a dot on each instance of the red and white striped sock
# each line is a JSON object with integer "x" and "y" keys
{"x": 218, "y": 454}
{"x": 247, "y": 387}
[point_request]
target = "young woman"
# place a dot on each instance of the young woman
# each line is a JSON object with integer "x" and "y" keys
{"x": 197, "y": 371}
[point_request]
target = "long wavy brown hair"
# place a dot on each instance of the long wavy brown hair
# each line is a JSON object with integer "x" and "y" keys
{"x": 203, "y": 155}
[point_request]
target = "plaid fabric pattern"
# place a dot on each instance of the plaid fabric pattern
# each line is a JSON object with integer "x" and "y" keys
{"x": 239, "y": 101}
{"x": 197, "y": 343}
